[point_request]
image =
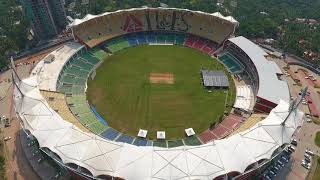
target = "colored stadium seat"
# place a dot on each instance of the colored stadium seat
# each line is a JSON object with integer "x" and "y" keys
{"x": 110, "y": 133}
{"x": 190, "y": 40}
{"x": 141, "y": 38}
{"x": 192, "y": 141}
{"x": 199, "y": 44}
{"x": 151, "y": 37}
{"x": 179, "y": 39}
{"x": 140, "y": 142}
{"x": 160, "y": 143}
{"x": 132, "y": 40}
{"x": 161, "y": 38}
{"x": 99, "y": 53}
{"x": 175, "y": 143}
{"x": 231, "y": 62}
{"x": 125, "y": 138}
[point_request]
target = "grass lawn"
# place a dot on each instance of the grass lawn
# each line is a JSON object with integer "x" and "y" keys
{"x": 122, "y": 94}
{"x": 314, "y": 173}
{"x": 317, "y": 139}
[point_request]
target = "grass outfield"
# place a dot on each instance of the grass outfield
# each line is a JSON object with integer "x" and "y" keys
{"x": 122, "y": 94}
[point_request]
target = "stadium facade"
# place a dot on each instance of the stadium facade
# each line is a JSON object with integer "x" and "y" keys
{"x": 91, "y": 155}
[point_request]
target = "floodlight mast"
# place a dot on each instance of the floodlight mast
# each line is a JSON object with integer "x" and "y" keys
{"x": 15, "y": 75}
{"x": 294, "y": 104}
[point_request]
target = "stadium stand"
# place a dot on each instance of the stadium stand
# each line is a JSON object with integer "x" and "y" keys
{"x": 248, "y": 123}
{"x": 213, "y": 26}
{"x": 192, "y": 141}
{"x": 151, "y": 37}
{"x": 161, "y": 38}
{"x": 233, "y": 65}
{"x": 255, "y": 144}
{"x": 260, "y": 73}
{"x": 229, "y": 124}
{"x": 80, "y": 108}
{"x": 125, "y": 138}
{"x": 57, "y": 101}
{"x": 48, "y": 70}
{"x": 179, "y": 39}
{"x": 73, "y": 76}
{"x": 99, "y": 53}
{"x": 140, "y": 142}
{"x": 141, "y": 38}
{"x": 190, "y": 40}
{"x": 110, "y": 134}
{"x": 207, "y": 136}
{"x": 175, "y": 143}
{"x": 160, "y": 143}
{"x": 244, "y": 97}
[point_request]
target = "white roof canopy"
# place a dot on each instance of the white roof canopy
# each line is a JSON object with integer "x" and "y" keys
{"x": 270, "y": 87}
{"x": 104, "y": 157}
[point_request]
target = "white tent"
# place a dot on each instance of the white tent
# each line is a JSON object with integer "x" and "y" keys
{"x": 104, "y": 157}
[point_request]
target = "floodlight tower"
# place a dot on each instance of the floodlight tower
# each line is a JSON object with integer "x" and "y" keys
{"x": 15, "y": 77}
{"x": 295, "y": 104}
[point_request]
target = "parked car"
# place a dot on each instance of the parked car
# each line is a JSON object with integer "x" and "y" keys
{"x": 309, "y": 152}
{"x": 294, "y": 142}
{"x": 307, "y": 156}
{"x": 306, "y": 164}
{"x": 7, "y": 138}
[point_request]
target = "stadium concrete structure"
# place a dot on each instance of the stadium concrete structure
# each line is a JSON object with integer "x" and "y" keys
{"x": 98, "y": 154}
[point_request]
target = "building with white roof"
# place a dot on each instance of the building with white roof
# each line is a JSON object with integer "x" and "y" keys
{"x": 264, "y": 74}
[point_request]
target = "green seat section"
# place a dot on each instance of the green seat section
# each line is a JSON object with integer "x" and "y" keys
{"x": 76, "y": 99}
{"x": 175, "y": 143}
{"x": 90, "y": 59}
{"x": 161, "y": 38}
{"x": 170, "y": 38}
{"x": 99, "y": 53}
{"x": 97, "y": 127}
{"x": 192, "y": 141}
{"x": 179, "y": 39}
{"x": 160, "y": 143}
{"x": 117, "y": 44}
{"x": 80, "y": 109}
{"x": 231, "y": 62}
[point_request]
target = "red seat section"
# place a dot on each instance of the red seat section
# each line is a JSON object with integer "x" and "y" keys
{"x": 190, "y": 41}
{"x": 199, "y": 44}
{"x": 207, "y": 136}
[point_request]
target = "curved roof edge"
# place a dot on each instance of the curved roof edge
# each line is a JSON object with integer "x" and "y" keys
{"x": 104, "y": 157}
{"x": 90, "y": 16}
{"x": 270, "y": 87}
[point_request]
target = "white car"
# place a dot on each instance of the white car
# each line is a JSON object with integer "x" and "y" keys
{"x": 309, "y": 120}
{"x": 7, "y": 138}
{"x": 306, "y": 77}
{"x": 292, "y": 148}
{"x": 309, "y": 152}
{"x": 306, "y": 164}
{"x": 307, "y": 156}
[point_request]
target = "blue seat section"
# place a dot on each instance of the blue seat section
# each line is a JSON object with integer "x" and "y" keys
{"x": 98, "y": 116}
{"x": 149, "y": 143}
{"x": 140, "y": 142}
{"x": 151, "y": 37}
{"x": 110, "y": 133}
{"x": 132, "y": 39}
{"x": 141, "y": 38}
{"x": 125, "y": 138}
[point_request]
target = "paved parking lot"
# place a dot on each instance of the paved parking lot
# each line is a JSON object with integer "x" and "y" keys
{"x": 305, "y": 136}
